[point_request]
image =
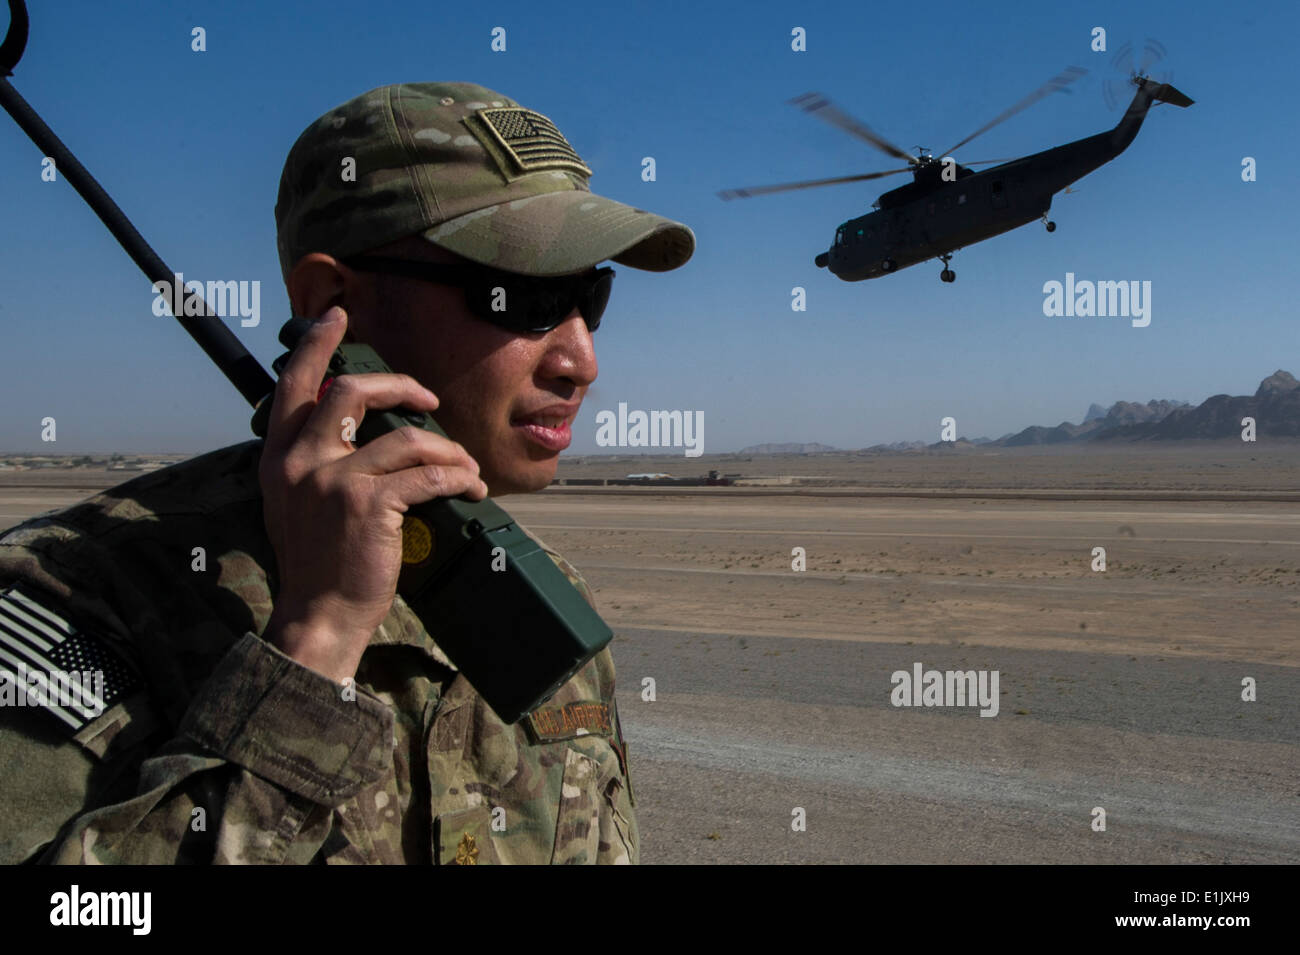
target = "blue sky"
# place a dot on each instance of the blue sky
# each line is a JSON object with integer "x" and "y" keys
{"x": 191, "y": 146}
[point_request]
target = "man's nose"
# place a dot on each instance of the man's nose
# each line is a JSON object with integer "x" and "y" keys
{"x": 570, "y": 351}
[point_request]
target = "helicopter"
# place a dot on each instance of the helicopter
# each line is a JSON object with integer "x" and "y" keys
{"x": 948, "y": 205}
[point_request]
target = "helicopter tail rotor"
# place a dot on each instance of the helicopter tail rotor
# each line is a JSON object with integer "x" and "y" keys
{"x": 1152, "y": 53}
{"x": 1118, "y": 90}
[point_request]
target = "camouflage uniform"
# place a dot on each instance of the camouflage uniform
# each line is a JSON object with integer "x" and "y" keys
{"x": 217, "y": 747}
{"x": 204, "y": 715}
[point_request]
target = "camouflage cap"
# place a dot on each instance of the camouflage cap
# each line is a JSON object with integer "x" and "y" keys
{"x": 469, "y": 169}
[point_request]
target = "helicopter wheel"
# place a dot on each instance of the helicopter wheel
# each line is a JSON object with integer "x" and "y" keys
{"x": 888, "y": 265}
{"x": 947, "y": 275}
{"x": 1051, "y": 226}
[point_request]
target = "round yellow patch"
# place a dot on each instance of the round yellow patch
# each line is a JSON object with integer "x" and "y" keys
{"x": 417, "y": 540}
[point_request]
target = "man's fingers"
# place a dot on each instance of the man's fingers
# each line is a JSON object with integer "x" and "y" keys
{"x": 295, "y": 392}
{"x": 420, "y": 484}
{"x": 413, "y": 465}
{"x": 351, "y": 396}
{"x": 409, "y": 448}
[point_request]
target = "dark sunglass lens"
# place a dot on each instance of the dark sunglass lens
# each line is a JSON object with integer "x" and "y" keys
{"x": 508, "y": 305}
{"x": 540, "y": 305}
{"x": 595, "y": 298}
{"x": 478, "y": 298}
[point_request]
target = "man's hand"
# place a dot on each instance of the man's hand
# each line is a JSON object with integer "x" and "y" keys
{"x": 334, "y": 512}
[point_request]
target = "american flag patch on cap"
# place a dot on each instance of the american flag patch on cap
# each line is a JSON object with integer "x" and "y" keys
{"x": 531, "y": 139}
{"x": 45, "y": 661}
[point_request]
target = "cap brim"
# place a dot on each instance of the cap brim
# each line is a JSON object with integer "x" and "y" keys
{"x": 558, "y": 233}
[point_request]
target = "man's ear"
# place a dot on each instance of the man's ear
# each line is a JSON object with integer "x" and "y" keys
{"x": 317, "y": 283}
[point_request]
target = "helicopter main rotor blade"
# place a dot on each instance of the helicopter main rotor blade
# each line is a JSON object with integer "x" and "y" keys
{"x": 785, "y": 187}
{"x": 819, "y": 106}
{"x": 1058, "y": 82}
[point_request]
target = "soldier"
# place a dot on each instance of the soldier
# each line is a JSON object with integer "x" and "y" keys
{"x": 266, "y": 698}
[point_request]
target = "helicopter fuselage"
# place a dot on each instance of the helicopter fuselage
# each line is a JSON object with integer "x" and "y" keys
{"x": 948, "y": 206}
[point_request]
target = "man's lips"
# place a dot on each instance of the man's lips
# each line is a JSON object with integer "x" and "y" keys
{"x": 548, "y": 426}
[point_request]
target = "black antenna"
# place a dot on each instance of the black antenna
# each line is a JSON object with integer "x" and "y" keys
{"x": 11, "y": 51}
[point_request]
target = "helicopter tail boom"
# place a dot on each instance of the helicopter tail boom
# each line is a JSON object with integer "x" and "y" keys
{"x": 1148, "y": 92}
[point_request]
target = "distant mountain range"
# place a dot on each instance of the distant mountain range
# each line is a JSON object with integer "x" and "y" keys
{"x": 1118, "y": 415}
{"x": 1275, "y": 406}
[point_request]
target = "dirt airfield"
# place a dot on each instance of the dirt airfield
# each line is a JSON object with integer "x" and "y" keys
{"x": 759, "y": 699}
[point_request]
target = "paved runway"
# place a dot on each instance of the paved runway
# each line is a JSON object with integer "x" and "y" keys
{"x": 1119, "y": 690}
{"x": 745, "y": 729}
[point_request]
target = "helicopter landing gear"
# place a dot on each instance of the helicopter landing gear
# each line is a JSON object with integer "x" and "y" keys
{"x": 947, "y": 275}
{"x": 1051, "y": 226}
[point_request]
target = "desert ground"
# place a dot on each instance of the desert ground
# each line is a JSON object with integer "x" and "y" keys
{"x": 1119, "y": 690}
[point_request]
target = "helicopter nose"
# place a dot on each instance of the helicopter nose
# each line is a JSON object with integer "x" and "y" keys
{"x": 822, "y": 260}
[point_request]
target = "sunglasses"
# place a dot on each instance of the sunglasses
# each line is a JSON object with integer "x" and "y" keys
{"x": 525, "y": 303}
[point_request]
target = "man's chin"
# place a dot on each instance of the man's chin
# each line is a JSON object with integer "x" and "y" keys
{"x": 523, "y": 480}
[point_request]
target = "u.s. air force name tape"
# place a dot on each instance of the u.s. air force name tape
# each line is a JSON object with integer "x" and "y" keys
{"x": 571, "y": 720}
{"x": 47, "y": 662}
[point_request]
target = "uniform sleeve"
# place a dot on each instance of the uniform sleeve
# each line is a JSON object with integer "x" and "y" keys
{"x": 620, "y": 839}
{"x": 265, "y": 752}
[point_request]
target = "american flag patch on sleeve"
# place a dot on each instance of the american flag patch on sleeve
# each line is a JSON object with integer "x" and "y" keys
{"x": 45, "y": 661}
